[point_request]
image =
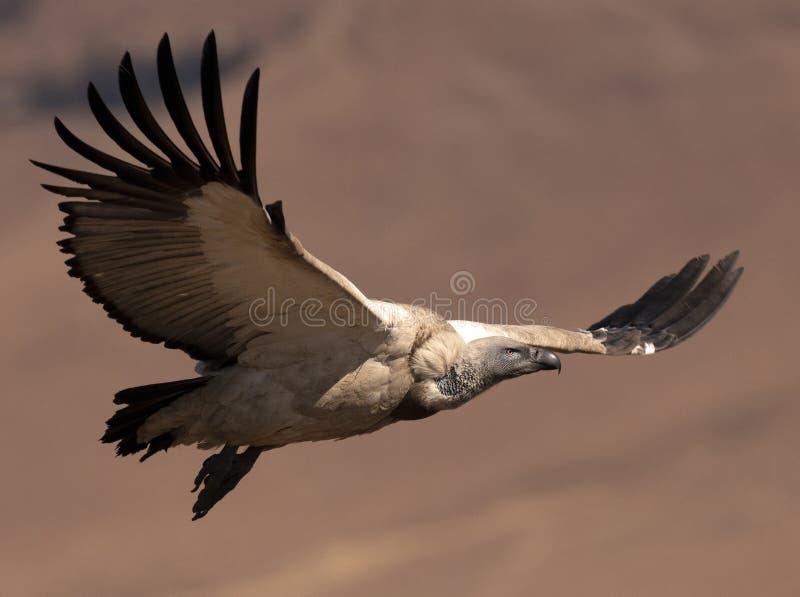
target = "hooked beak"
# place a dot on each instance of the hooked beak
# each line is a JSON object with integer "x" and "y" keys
{"x": 546, "y": 359}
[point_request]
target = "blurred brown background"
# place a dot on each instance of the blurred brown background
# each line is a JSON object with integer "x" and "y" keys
{"x": 568, "y": 152}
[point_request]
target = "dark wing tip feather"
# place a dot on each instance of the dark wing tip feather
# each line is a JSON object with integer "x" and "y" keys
{"x": 158, "y": 186}
{"x": 125, "y": 140}
{"x": 178, "y": 110}
{"x": 211, "y": 92}
{"x": 126, "y": 171}
{"x": 248, "y": 128}
{"x": 60, "y": 171}
{"x": 705, "y": 306}
{"x": 140, "y": 112}
{"x": 178, "y": 173}
{"x": 126, "y": 65}
{"x": 672, "y": 310}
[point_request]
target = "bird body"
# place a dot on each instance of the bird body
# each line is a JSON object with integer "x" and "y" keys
{"x": 180, "y": 250}
{"x": 281, "y": 403}
{"x": 292, "y": 401}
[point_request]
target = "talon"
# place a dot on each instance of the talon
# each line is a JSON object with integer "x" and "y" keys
{"x": 215, "y": 464}
{"x": 220, "y": 474}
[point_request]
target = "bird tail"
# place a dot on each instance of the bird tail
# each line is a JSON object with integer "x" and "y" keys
{"x": 141, "y": 403}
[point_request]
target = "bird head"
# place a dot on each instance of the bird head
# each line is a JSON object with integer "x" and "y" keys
{"x": 482, "y": 363}
{"x": 503, "y": 358}
{"x": 506, "y": 358}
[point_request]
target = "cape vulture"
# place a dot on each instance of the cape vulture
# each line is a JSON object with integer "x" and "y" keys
{"x": 180, "y": 250}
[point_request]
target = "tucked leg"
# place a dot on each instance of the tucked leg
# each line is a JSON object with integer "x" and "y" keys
{"x": 219, "y": 474}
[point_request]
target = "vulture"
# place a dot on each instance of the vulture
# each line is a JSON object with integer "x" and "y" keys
{"x": 177, "y": 246}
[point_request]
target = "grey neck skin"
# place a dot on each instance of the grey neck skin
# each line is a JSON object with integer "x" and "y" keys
{"x": 460, "y": 384}
{"x": 463, "y": 382}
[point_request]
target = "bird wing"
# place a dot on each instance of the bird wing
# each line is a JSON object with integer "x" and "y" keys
{"x": 180, "y": 250}
{"x": 671, "y": 311}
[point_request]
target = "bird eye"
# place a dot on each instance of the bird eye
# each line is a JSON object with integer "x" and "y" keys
{"x": 512, "y": 352}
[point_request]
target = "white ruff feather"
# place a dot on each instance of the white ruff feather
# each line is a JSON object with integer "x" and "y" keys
{"x": 472, "y": 330}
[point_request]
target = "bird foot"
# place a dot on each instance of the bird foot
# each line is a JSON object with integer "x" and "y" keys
{"x": 219, "y": 474}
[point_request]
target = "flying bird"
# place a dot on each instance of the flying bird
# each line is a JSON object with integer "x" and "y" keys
{"x": 180, "y": 249}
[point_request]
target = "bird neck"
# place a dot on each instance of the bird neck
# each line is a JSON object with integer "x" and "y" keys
{"x": 463, "y": 382}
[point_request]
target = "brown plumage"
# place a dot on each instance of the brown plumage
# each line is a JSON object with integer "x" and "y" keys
{"x": 180, "y": 250}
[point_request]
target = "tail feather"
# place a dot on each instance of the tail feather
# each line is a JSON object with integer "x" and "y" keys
{"x": 141, "y": 403}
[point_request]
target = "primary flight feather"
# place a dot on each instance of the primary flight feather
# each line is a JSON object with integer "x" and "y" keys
{"x": 181, "y": 250}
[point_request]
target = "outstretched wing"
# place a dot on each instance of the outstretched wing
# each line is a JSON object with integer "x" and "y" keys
{"x": 179, "y": 249}
{"x": 671, "y": 311}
